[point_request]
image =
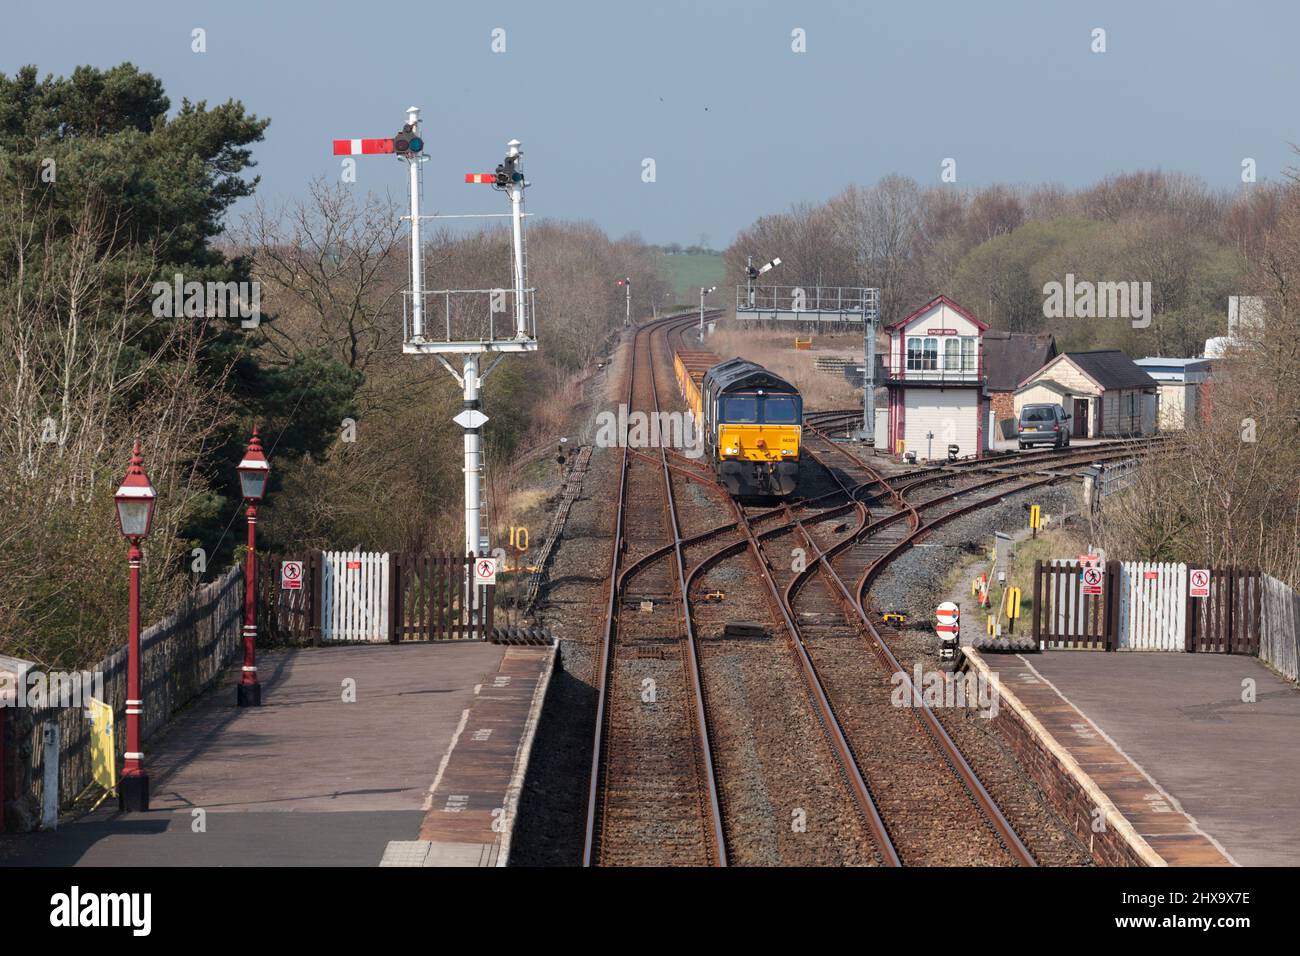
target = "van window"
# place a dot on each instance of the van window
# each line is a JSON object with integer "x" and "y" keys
{"x": 1041, "y": 413}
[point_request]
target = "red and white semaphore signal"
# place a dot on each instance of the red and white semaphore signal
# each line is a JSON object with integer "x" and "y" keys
{"x": 509, "y": 178}
{"x": 470, "y": 328}
{"x": 407, "y": 145}
{"x": 362, "y": 147}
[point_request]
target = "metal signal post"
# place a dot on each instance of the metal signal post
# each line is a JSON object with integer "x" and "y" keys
{"x": 468, "y": 326}
{"x": 626, "y": 283}
{"x": 703, "y": 293}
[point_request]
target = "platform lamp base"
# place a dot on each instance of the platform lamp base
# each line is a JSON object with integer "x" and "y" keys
{"x": 250, "y": 695}
{"x": 133, "y": 793}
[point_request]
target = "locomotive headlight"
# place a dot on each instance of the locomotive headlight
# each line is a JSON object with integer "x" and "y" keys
{"x": 733, "y": 451}
{"x": 786, "y": 451}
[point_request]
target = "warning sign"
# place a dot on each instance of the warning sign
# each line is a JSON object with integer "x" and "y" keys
{"x": 1092, "y": 577}
{"x": 485, "y": 570}
{"x": 1199, "y": 581}
{"x": 291, "y": 575}
{"x": 947, "y": 613}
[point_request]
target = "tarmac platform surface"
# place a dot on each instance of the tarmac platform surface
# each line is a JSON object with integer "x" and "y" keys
{"x": 1229, "y": 766}
{"x": 306, "y": 779}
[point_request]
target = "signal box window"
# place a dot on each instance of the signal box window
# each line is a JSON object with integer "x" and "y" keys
{"x": 922, "y": 354}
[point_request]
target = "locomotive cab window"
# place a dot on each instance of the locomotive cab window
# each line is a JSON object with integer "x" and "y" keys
{"x": 740, "y": 408}
{"x": 781, "y": 410}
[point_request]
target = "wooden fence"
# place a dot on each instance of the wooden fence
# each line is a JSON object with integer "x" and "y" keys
{"x": 1152, "y": 606}
{"x": 180, "y": 657}
{"x": 1279, "y": 639}
{"x": 1065, "y": 617}
{"x": 1144, "y": 606}
{"x": 1228, "y": 621}
{"x": 368, "y": 597}
{"x": 354, "y": 597}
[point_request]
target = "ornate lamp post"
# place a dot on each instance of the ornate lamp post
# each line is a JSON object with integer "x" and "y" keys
{"x": 253, "y": 472}
{"x": 135, "y": 503}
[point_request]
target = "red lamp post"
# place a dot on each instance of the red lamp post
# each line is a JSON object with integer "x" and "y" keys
{"x": 253, "y": 472}
{"x": 135, "y": 503}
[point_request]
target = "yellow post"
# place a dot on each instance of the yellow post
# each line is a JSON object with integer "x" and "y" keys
{"x": 1013, "y": 608}
{"x": 1035, "y": 518}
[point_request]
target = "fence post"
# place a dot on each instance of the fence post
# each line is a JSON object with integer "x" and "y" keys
{"x": 316, "y": 564}
{"x": 394, "y": 589}
{"x": 1230, "y": 612}
{"x": 1038, "y": 603}
{"x": 1256, "y": 611}
{"x": 489, "y": 603}
{"x": 1110, "y": 594}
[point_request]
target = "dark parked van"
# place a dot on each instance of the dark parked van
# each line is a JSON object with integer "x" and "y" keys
{"x": 1044, "y": 425}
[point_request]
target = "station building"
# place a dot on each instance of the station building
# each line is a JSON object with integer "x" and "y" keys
{"x": 1184, "y": 389}
{"x": 1107, "y": 394}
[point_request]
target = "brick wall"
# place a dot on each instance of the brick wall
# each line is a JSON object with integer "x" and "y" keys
{"x": 1064, "y": 791}
{"x": 1003, "y": 405}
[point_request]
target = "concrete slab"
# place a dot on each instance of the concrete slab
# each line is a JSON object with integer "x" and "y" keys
{"x": 309, "y": 778}
{"x": 1230, "y": 765}
{"x": 472, "y": 807}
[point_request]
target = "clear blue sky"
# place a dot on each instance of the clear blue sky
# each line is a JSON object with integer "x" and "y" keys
{"x": 737, "y": 123}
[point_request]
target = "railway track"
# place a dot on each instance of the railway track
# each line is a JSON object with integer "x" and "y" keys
{"x": 667, "y": 772}
{"x": 653, "y": 796}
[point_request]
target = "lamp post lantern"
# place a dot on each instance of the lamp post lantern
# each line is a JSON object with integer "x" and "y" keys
{"x": 253, "y": 472}
{"x": 135, "y": 503}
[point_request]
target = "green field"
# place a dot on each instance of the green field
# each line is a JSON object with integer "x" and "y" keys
{"x": 687, "y": 273}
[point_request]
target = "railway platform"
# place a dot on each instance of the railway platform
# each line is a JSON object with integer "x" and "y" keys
{"x": 311, "y": 778}
{"x": 1161, "y": 749}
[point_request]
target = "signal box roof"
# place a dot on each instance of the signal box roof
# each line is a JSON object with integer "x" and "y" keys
{"x": 742, "y": 373}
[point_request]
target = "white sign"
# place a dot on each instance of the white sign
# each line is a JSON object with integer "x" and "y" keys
{"x": 1199, "y": 581}
{"x": 1092, "y": 579}
{"x": 485, "y": 570}
{"x": 471, "y": 418}
{"x": 947, "y": 613}
{"x": 291, "y": 575}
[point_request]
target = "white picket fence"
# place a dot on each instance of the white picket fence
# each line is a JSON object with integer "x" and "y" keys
{"x": 354, "y": 596}
{"x": 1152, "y": 606}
